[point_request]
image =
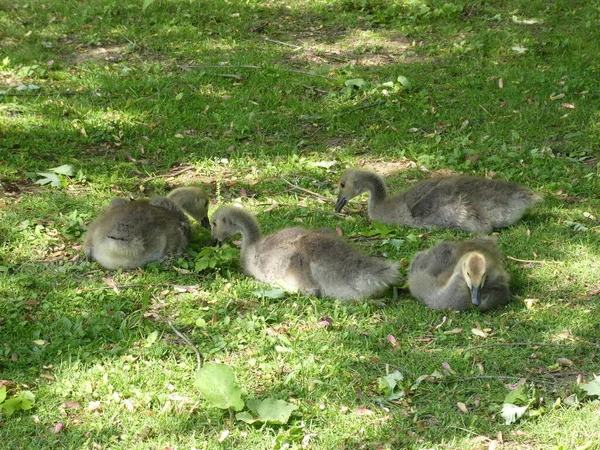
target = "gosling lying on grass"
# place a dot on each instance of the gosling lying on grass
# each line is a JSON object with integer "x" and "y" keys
{"x": 312, "y": 262}
{"x": 458, "y": 275}
{"x": 476, "y": 205}
{"x": 132, "y": 233}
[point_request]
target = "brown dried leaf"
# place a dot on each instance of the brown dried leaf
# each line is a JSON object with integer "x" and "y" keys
{"x": 454, "y": 331}
{"x": 565, "y": 362}
{"x": 462, "y": 407}
{"x": 71, "y": 405}
{"x": 494, "y": 444}
{"x": 478, "y": 332}
{"x": 362, "y": 411}
{"x": 447, "y": 368}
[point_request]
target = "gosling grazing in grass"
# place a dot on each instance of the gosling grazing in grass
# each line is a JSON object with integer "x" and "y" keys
{"x": 456, "y": 275}
{"x": 312, "y": 262}
{"x": 476, "y": 205}
{"x": 132, "y": 233}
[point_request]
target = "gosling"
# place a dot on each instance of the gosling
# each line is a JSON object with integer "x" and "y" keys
{"x": 458, "y": 275}
{"x": 314, "y": 263}
{"x": 476, "y": 205}
{"x": 133, "y": 233}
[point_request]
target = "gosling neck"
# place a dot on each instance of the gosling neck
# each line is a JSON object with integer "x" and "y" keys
{"x": 375, "y": 186}
{"x": 248, "y": 227}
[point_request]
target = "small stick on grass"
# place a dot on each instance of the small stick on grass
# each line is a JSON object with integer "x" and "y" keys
{"x": 172, "y": 174}
{"x": 534, "y": 261}
{"x": 528, "y": 344}
{"x": 295, "y": 186}
{"x": 273, "y": 41}
{"x": 321, "y": 211}
{"x": 130, "y": 286}
{"x": 189, "y": 343}
{"x": 231, "y": 75}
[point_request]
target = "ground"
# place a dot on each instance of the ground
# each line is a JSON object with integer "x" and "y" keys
{"x": 266, "y": 103}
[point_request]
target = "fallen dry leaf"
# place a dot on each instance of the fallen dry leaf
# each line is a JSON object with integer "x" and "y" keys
{"x": 494, "y": 444}
{"x": 454, "y": 331}
{"x": 565, "y": 362}
{"x": 392, "y": 339}
{"x": 567, "y": 105}
{"x": 361, "y": 411}
{"x": 478, "y": 332}
{"x": 71, "y": 405}
{"x": 129, "y": 405}
{"x": 447, "y": 368}
{"x": 529, "y": 302}
{"x": 442, "y": 323}
{"x": 95, "y": 406}
{"x": 462, "y": 407}
{"x": 47, "y": 377}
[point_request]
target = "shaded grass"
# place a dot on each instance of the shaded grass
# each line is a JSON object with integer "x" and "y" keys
{"x": 132, "y": 95}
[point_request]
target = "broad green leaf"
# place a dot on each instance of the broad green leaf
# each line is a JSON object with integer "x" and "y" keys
{"x": 270, "y": 293}
{"x": 593, "y": 387}
{"x": 65, "y": 169}
{"x": 324, "y": 164}
{"x": 272, "y": 411}
{"x": 2, "y": 394}
{"x": 245, "y": 416}
{"x": 404, "y": 82}
{"x": 151, "y": 339}
{"x": 23, "y": 401}
{"x": 388, "y": 383}
{"x": 49, "y": 178}
{"x": 517, "y": 395}
{"x": 511, "y": 413}
{"x": 216, "y": 383}
{"x": 355, "y": 83}
{"x": 285, "y": 439}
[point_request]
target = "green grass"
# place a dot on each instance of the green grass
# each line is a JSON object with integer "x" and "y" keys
{"x": 128, "y": 97}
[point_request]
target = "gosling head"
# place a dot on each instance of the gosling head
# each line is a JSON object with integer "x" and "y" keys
{"x": 349, "y": 187}
{"x": 222, "y": 224}
{"x": 474, "y": 273}
{"x": 194, "y": 201}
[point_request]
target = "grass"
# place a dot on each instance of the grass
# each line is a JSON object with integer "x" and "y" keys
{"x": 139, "y": 101}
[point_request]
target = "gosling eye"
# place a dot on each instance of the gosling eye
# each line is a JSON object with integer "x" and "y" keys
{"x": 342, "y": 185}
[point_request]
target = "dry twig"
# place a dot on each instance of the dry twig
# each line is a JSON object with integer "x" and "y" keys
{"x": 314, "y": 194}
{"x": 189, "y": 343}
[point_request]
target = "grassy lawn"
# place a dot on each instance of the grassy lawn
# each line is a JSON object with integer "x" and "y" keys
{"x": 266, "y": 103}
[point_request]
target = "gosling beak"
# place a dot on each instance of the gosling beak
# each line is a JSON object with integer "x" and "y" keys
{"x": 214, "y": 242}
{"x": 476, "y": 295}
{"x": 205, "y": 223}
{"x": 341, "y": 202}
